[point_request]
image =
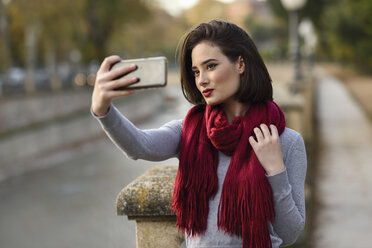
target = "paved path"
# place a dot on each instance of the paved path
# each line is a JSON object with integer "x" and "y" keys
{"x": 344, "y": 181}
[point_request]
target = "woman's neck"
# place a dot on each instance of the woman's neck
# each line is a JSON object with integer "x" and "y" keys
{"x": 234, "y": 108}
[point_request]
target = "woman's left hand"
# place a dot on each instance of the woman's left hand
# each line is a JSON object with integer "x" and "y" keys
{"x": 268, "y": 149}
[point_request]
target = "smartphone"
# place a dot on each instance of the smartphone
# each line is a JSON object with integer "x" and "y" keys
{"x": 152, "y": 72}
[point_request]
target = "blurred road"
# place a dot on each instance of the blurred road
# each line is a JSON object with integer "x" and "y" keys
{"x": 72, "y": 203}
{"x": 344, "y": 182}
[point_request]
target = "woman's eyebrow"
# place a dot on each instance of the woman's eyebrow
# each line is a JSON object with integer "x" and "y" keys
{"x": 204, "y": 62}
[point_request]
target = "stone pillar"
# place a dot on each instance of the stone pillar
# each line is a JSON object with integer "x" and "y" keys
{"x": 306, "y": 90}
{"x": 147, "y": 200}
{"x": 292, "y": 106}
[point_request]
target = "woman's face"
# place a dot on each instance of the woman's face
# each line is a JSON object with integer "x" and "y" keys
{"x": 216, "y": 77}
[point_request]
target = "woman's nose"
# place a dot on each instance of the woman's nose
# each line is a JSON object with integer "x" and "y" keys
{"x": 202, "y": 79}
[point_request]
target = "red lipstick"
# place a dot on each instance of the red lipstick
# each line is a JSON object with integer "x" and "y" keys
{"x": 207, "y": 92}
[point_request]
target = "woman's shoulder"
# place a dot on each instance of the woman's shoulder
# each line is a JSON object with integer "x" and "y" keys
{"x": 292, "y": 144}
{"x": 290, "y": 139}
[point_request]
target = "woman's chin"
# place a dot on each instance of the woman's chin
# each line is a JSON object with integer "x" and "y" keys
{"x": 212, "y": 102}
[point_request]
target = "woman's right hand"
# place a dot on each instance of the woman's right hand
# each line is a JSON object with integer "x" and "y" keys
{"x": 106, "y": 83}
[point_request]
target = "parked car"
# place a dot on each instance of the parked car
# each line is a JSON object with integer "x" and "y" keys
{"x": 65, "y": 74}
{"x": 42, "y": 79}
{"x": 14, "y": 81}
{"x": 16, "y": 76}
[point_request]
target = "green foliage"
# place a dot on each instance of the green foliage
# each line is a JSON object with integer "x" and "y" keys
{"x": 96, "y": 28}
{"x": 313, "y": 9}
{"x": 344, "y": 29}
{"x": 348, "y": 36}
{"x": 204, "y": 11}
{"x": 270, "y": 38}
{"x": 67, "y": 25}
{"x": 103, "y": 18}
{"x": 157, "y": 36}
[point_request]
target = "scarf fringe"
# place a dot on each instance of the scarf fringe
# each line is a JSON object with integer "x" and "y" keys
{"x": 191, "y": 193}
{"x": 241, "y": 203}
{"x": 190, "y": 217}
{"x": 254, "y": 235}
{"x": 245, "y": 214}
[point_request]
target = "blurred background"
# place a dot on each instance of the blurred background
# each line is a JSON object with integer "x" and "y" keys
{"x": 59, "y": 174}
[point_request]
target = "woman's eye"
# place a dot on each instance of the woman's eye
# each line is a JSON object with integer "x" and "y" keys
{"x": 211, "y": 66}
{"x": 195, "y": 73}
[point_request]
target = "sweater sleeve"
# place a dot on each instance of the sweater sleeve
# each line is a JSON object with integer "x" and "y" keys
{"x": 288, "y": 193}
{"x": 152, "y": 144}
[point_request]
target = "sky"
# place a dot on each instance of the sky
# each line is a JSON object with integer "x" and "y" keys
{"x": 174, "y": 7}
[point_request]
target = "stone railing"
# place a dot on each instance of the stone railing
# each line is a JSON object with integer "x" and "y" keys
{"x": 147, "y": 200}
{"x": 298, "y": 107}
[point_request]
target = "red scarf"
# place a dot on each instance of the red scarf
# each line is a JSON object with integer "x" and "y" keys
{"x": 246, "y": 204}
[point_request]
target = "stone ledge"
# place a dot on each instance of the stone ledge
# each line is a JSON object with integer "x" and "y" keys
{"x": 287, "y": 100}
{"x": 150, "y": 195}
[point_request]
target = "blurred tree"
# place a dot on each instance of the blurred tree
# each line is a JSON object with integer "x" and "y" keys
{"x": 56, "y": 22}
{"x": 48, "y": 32}
{"x": 344, "y": 29}
{"x": 157, "y": 36}
{"x": 313, "y": 10}
{"x": 204, "y": 11}
{"x": 103, "y": 18}
{"x": 5, "y": 59}
{"x": 66, "y": 25}
{"x": 45, "y": 29}
{"x": 348, "y": 36}
{"x": 269, "y": 36}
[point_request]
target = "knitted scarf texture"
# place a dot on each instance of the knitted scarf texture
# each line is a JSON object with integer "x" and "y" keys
{"x": 246, "y": 204}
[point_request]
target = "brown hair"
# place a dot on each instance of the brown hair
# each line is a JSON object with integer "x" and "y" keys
{"x": 255, "y": 82}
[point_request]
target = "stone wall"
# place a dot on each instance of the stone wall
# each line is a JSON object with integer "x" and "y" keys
{"x": 66, "y": 122}
{"x": 20, "y": 112}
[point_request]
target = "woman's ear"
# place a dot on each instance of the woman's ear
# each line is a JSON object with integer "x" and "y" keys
{"x": 241, "y": 65}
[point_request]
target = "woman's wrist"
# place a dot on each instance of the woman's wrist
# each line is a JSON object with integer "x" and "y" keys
{"x": 275, "y": 169}
{"x": 100, "y": 111}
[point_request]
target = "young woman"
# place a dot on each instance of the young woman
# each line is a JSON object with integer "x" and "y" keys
{"x": 240, "y": 181}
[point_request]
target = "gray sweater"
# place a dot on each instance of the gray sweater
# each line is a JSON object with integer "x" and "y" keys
{"x": 288, "y": 185}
